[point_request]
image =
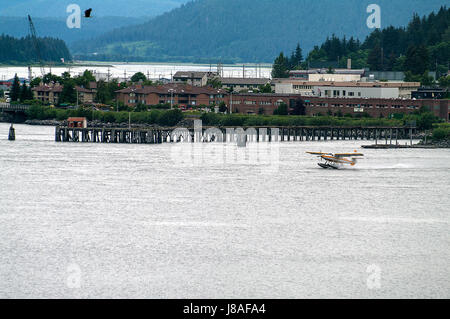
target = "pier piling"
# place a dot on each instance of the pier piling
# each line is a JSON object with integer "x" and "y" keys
{"x": 12, "y": 133}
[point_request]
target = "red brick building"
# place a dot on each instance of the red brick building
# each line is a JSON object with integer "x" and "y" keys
{"x": 255, "y": 103}
{"x": 248, "y": 103}
{"x": 181, "y": 94}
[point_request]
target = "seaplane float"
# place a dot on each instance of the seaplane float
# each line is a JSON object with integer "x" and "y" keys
{"x": 336, "y": 161}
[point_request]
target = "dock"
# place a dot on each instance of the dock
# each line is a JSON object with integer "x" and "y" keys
{"x": 398, "y": 146}
{"x": 159, "y": 135}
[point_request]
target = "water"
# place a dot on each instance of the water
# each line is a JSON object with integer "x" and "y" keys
{"x": 152, "y": 70}
{"x": 93, "y": 220}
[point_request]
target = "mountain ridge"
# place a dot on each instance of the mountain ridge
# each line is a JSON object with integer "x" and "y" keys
{"x": 240, "y": 31}
{"x": 101, "y": 8}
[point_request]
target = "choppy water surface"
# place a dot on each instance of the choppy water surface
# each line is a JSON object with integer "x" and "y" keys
{"x": 93, "y": 220}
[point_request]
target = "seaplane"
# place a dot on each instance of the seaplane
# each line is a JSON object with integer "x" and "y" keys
{"x": 336, "y": 161}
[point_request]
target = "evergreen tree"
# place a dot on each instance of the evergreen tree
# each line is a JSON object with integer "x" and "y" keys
{"x": 23, "y": 93}
{"x": 15, "y": 89}
{"x": 417, "y": 58}
{"x": 299, "y": 108}
{"x": 138, "y": 76}
{"x": 30, "y": 95}
{"x": 374, "y": 59}
{"x": 298, "y": 54}
{"x": 280, "y": 67}
{"x": 68, "y": 94}
{"x": 35, "y": 82}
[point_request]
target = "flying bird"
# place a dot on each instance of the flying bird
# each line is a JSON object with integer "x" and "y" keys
{"x": 87, "y": 13}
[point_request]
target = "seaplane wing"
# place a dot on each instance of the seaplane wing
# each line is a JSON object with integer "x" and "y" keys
{"x": 348, "y": 154}
{"x": 318, "y": 153}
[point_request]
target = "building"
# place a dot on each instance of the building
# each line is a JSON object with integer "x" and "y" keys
{"x": 243, "y": 84}
{"x": 251, "y": 103}
{"x": 390, "y": 75}
{"x": 86, "y": 95}
{"x": 322, "y": 74}
{"x": 48, "y": 93}
{"x": 393, "y": 90}
{"x": 193, "y": 78}
{"x": 259, "y": 103}
{"x": 5, "y": 85}
{"x": 183, "y": 95}
{"x": 430, "y": 93}
{"x": 80, "y": 122}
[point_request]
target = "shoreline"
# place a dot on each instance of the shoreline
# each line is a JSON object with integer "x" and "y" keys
{"x": 112, "y": 63}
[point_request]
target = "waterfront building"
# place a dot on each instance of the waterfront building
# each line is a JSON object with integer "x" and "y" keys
{"x": 430, "y": 93}
{"x": 322, "y": 74}
{"x": 251, "y": 103}
{"x": 48, "y": 93}
{"x": 243, "y": 84}
{"x": 183, "y": 95}
{"x": 86, "y": 95}
{"x": 392, "y": 90}
{"x": 193, "y": 78}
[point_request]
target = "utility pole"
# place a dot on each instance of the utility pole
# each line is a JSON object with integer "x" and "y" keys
{"x": 231, "y": 102}
{"x": 171, "y": 98}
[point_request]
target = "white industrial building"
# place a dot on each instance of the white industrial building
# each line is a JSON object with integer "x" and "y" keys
{"x": 386, "y": 90}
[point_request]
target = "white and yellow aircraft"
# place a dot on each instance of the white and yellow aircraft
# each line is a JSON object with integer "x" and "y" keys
{"x": 336, "y": 161}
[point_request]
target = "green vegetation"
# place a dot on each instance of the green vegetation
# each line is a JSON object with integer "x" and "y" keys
{"x": 15, "y": 89}
{"x": 423, "y": 45}
{"x": 13, "y": 50}
{"x": 157, "y": 117}
{"x": 105, "y": 90}
{"x": 280, "y": 68}
{"x": 212, "y": 119}
{"x": 424, "y": 119}
{"x": 441, "y": 132}
{"x": 139, "y": 76}
{"x": 282, "y": 109}
{"x": 215, "y": 83}
{"x": 54, "y": 25}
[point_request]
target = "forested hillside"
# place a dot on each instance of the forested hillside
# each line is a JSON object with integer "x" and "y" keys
{"x": 23, "y": 50}
{"x": 101, "y": 8}
{"x": 56, "y": 27}
{"x": 388, "y": 48}
{"x": 245, "y": 30}
{"x": 421, "y": 46}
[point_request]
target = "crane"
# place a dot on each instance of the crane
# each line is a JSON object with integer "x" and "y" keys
{"x": 36, "y": 44}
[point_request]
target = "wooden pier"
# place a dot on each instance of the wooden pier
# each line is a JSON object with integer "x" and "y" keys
{"x": 159, "y": 135}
